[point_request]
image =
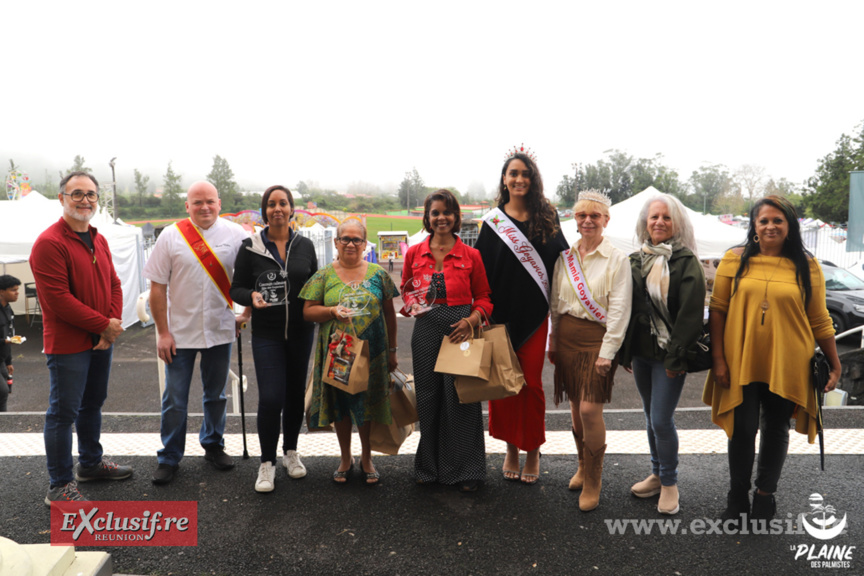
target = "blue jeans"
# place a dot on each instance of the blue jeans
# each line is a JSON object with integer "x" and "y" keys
{"x": 78, "y": 388}
{"x": 215, "y": 362}
{"x": 660, "y": 395}
{"x": 281, "y": 367}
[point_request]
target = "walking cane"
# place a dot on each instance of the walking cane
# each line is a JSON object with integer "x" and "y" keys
{"x": 242, "y": 403}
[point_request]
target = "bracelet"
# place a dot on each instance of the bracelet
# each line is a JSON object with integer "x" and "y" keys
{"x": 393, "y": 349}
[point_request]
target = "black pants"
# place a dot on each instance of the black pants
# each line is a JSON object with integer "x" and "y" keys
{"x": 281, "y": 367}
{"x": 773, "y": 423}
{"x": 4, "y": 394}
{"x": 4, "y": 388}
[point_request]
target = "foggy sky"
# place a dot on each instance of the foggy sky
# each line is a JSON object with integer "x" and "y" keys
{"x": 346, "y": 92}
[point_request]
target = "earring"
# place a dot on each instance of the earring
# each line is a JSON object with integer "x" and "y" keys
{"x": 756, "y": 238}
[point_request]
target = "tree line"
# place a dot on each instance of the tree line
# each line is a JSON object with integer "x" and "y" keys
{"x": 711, "y": 188}
{"x": 717, "y": 189}
{"x": 142, "y": 202}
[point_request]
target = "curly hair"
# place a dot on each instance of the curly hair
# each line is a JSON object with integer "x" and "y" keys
{"x": 543, "y": 221}
{"x": 793, "y": 248}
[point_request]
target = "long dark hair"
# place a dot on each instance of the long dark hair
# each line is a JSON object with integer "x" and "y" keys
{"x": 542, "y": 222}
{"x": 793, "y": 247}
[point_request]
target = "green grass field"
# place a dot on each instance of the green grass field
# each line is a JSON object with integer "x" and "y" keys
{"x": 375, "y": 224}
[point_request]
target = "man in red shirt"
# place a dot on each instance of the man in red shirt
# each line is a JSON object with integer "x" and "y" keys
{"x": 82, "y": 302}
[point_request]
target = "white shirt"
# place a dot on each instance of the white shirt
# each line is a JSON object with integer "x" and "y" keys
{"x": 607, "y": 271}
{"x": 198, "y": 315}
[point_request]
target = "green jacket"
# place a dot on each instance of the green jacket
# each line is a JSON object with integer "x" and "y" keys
{"x": 686, "y": 303}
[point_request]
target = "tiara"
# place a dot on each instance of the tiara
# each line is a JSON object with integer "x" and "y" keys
{"x": 594, "y": 195}
{"x": 521, "y": 149}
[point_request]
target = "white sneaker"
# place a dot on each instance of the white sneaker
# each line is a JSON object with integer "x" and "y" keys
{"x": 266, "y": 477}
{"x": 292, "y": 463}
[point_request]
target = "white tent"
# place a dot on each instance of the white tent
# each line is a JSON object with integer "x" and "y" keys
{"x": 713, "y": 238}
{"x": 417, "y": 238}
{"x": 21, "y": 222}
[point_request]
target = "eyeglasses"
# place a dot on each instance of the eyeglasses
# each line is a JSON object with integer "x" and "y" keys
{"x": 345, "y": 240}
{"x": 78, "y": 196}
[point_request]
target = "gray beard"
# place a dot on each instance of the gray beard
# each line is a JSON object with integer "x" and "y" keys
{"x": 72, "y": 213}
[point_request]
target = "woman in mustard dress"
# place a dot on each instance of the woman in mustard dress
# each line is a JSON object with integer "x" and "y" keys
{"x": 767, "y": 308}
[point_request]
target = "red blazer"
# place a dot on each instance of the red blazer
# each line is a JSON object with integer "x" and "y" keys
{"x": 464, "y": 274}
{"x": 78, "y": 290}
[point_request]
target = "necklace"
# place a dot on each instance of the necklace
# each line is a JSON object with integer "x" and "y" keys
{"x": 444, "y": 248}
{"x": 764, "y": 304}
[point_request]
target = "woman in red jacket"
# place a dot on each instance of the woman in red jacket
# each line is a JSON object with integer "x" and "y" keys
{"x": 452, "y": 449}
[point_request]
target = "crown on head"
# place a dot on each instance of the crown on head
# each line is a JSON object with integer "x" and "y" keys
{"x": 521, "y": 149}
{"x": 595, "y": 195}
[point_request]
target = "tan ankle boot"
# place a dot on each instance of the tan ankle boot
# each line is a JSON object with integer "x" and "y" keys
{"x": 668, "y": 503}
{"x": 647, "y": 488}
{"x": 577, "y": 480}
{"x": 589, "y": 499}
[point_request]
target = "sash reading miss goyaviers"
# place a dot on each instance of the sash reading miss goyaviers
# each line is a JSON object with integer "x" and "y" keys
{"x": 207, "y": 258}
{"x": 576, "y": 276}
{"x": 521, "y": 247}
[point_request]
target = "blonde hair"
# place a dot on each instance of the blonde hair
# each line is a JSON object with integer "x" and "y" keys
{"x": 590, "y": 205}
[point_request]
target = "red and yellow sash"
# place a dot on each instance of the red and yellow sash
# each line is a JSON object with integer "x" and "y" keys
{"x": 208, "y": 260}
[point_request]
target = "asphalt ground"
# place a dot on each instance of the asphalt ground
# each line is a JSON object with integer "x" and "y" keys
{"x": 134, "y": 386}
{"x": 313, "y": 526}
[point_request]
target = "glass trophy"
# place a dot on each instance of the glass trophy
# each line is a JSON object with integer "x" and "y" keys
{"x": 354, "y": 299}
{"x": 419, "y": 295}
{"x": 273, "y": 287}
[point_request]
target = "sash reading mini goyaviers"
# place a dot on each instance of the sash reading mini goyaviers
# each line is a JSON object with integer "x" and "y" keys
{"x": 207, "y": 258}
{"x": 576, "y": 276}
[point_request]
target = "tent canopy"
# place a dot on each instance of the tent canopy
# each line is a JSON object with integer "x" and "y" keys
{"x": 713, "y": 238}
{"x": 22, "y": 221}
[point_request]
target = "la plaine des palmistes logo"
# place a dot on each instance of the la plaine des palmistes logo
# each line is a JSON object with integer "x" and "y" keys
{"x": 821, "y": 522}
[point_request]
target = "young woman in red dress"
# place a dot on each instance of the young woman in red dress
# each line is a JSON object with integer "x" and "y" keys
{"x": 519, "y": 242}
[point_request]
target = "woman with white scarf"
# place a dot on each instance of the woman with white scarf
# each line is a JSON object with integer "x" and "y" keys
{"x": 666, "y": 319}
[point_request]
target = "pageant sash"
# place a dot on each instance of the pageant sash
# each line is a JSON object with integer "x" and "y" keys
{"x": 524, "y": 251}
{"x": 207, "y": 258}
{"x": 576, "y": 276}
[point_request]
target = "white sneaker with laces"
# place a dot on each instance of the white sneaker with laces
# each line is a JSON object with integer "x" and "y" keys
{"x": 266, "y": 477}
{"x": 292, "y": 463}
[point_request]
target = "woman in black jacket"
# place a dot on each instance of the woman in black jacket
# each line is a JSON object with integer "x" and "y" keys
{"x": 270, "y": 270}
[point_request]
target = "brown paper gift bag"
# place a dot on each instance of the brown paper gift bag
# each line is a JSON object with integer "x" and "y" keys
{"x": 506, "y": 378}
{"x": 472, "y": 358}
{"x": 307, "y": 404}
{"x": 387, "y": 439}
{"x": 347, "y": 364}
{"x": 403, "y": 400}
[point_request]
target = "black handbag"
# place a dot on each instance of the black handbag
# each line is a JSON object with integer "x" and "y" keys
{"x": 820, "y": 371}
{"x": 699, "y": 353}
